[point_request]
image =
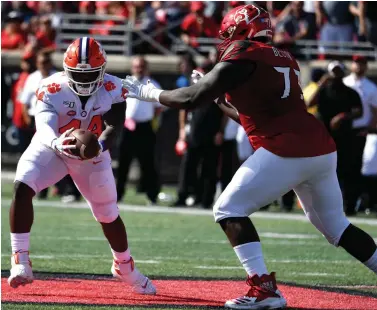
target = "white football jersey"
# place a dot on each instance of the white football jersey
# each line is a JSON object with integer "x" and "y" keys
{"x": 55, "y": 96}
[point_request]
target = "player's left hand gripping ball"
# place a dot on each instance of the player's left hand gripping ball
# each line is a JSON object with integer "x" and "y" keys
{"x": 140, "y": 91}
{"x": 63, "y": 144}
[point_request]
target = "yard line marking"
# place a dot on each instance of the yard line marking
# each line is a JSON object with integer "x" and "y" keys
{"x": 318, "y": 274}
{"x": 160, "y": 259}
{"x": 353, "y": 286}
{"x": 218, "y": 267}
{"x": 312, "y": 274}
{"x": 185, "y": 211}
{"x": 288, "y": 236}
{"x": 310, "y": 239}
{"x": 86, "y": 256}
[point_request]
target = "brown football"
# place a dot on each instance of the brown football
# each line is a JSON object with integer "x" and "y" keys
{"x": 86, "y": 142}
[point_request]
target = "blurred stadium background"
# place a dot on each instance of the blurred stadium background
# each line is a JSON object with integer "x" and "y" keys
{"x": 172, "y": 35}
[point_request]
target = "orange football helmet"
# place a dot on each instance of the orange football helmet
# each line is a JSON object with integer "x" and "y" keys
{"x": 84, "y": 64}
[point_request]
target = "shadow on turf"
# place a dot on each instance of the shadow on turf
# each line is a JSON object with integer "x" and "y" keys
{"x": 41, "y": 275}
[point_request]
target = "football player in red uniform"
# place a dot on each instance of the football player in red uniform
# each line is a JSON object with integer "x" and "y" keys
{"x": 293, "y": 149}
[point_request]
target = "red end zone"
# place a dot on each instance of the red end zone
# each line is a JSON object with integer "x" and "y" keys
{"x": 172, "y": 292}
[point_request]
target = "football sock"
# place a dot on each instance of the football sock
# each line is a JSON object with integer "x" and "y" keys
{"x": 20, "y": 242}
{"x": 121, "y": 256}
{"x": 251, "y": 257}
{"x": 371, "y": 263}
{"x": 358, "y": 243}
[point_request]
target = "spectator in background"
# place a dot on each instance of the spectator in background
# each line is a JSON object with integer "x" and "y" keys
{"x": 46, "y": 35}
{"x": 196, "y": 24}
{"x": 297, "y": 25}
{"x": 368, "y": 120}
{"x": 138, "y": 138}
{"x": 202, "y": 131}
{"x": 369, "y": 169}
{"x": 185, "y": 66}
{"x": 12, "y": 37}
{"x": 51, "y": 10}
{"x": 87, "y": 7}
{"x": 24, "y": 131}
{"x": 29, "y": 98}
{"x": 278, "y": 10}
{"x": 366, "y": 14}
{"x": 336, "y": 21}
{"x": 338, "y": 105}
{"x": 311, "y": 88}
{"x": 102, "y": 27}
{"x": 17, "y": 6}
{"x": 216, "y": 9}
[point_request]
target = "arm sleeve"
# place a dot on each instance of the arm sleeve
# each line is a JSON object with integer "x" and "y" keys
{"x": 46, "y": 119}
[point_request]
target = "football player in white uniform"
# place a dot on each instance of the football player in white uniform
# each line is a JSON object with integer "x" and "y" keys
{"x": 82, "y": 96}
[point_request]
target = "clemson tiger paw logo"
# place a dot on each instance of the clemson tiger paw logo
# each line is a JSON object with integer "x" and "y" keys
{"x": 54, "y": 88}
{"x": 109, "y": 86}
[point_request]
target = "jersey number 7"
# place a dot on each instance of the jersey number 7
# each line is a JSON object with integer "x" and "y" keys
{"x": 95, "y": 125}
{"x": 287, "y": 81}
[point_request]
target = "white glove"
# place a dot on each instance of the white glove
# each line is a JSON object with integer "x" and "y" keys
{"x": 140, "y": 91}
{"x": 62, "y": 145}
{"x": 196, "y": 76}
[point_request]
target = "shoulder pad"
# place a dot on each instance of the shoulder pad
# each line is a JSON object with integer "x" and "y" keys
{"x": 235, "y": 49}
{"x": 113, "y": 85}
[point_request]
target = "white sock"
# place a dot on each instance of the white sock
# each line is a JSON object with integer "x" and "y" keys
{"x": 20, "y": 242}
{"x": 121, "y": 256}
{"x": 371, "y": 263}
{"x": 251, "y": 258}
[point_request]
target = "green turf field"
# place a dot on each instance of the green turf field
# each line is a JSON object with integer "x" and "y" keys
{"x": 68, "y": 240}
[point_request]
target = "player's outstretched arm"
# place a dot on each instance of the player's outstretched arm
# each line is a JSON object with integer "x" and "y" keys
{"x": 224, "y": 77}
{"x": 114, "y": 120}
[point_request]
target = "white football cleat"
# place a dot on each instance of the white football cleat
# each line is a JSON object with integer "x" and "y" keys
{"x": 128, "y": 273}
{"x": 21, "y": 272}
{"x": 263, "y": 294}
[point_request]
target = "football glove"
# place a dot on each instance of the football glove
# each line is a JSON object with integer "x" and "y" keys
{"x": 140, "y": 91}
{"x": 62, "y": 146}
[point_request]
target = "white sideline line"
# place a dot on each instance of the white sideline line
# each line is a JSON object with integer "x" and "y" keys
{"x": 186, "y": 211}
{"x": 159, "y": 260}
{"x": 268, "y": 235}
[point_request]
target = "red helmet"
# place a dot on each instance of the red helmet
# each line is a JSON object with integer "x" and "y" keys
{"x": 245, "y": 22}
{"x": 85, "y": 64}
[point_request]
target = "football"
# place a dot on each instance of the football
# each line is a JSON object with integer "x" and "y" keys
{"x": 86, "y": 142}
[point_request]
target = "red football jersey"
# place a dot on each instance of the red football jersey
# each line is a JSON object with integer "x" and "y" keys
{"x": 271, "y": 104}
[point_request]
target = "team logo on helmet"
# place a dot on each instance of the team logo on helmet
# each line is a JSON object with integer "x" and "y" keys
{"x": 241, "y": 15}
